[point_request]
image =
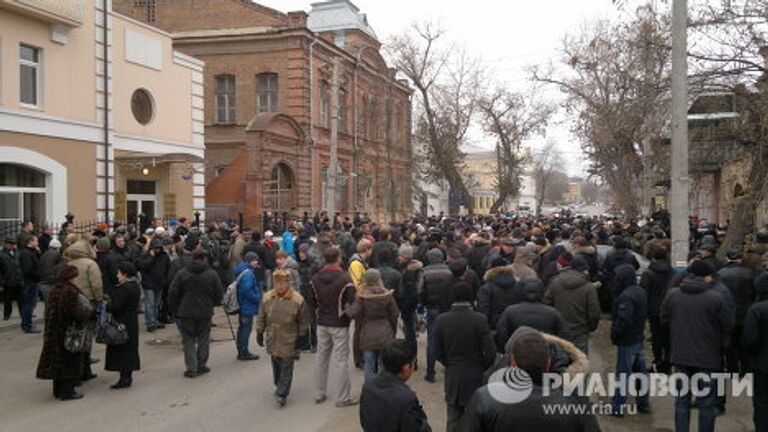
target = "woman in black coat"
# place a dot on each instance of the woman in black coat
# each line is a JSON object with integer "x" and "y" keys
{"x": 63, "y": 309}
{"x": 123, "y": 304}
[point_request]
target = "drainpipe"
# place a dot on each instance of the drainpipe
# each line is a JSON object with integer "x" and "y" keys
{"x": 105, "y": 53}
{"x": 354, "y": 126}
{"x": 312, "y": 134}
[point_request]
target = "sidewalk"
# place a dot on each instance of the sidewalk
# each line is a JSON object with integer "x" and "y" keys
{"x": 14, "y": 324}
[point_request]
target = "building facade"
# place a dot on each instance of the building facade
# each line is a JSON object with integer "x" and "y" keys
{"x": 270, "y": 81}
{"x": 481, "y": 174}
{"x": 99, "y": 117}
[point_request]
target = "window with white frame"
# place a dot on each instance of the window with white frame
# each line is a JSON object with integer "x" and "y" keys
{"x": 29, "y": 74}
{"x": 266, "y": 84}
{"x": 225, "y": 99}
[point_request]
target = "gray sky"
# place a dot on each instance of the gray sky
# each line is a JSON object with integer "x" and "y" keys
{"x": 507, "y": 35}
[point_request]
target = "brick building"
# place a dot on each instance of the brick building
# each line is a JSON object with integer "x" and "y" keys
{"x": 268, "y": 83}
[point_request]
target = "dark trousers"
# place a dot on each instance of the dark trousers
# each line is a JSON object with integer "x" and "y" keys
{"x": 11, "y": 294}
{"x": 196, "y": 338}
{"x": 760, "y": 401}
{"x": 282, "y": 373}
{"x": 432, "y": 314}
{"x": 164, "y": 312}
{"x": 357, "y": 353}
{"x": 660, "y": 344}
{"x": 244, "y": 334}
{"x": 28, "y": 303}
{"x": 454, "y": 417}
{"x": 409, "y": 328}
{"x": 63, "y": 388}
{"x": 737, "y": 358}
{"x": 706, "y": 405}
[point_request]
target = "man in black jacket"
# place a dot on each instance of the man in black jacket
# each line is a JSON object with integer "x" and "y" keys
{"x": 10, "y": 277}
{"x": 739, "y": 280}
{"x": 486, "y": 412}
{"x": 408, "y": 298}
{"x": 193, "y": 294}
{"x": 630, "y": 310}
{"x": 437, "y": 298}
{"x": 618, "y": 256}
{"x": 465, "y": 347}
{"x": 154, "y": 266}
{"x": 387, "y": 404}
{"x": 700, "y": 324}
{"x": 499, "y": 291}
{"x": 656, "y": 281}
{"x": 531, "y": 312}
{"x": 755, "y": 342}
{"x": 29, "y": 264}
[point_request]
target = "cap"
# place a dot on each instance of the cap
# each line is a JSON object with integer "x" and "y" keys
{"x": 268, "y": 234}
{"x": 159, "y": 230}
{"x": 372, "y": 277}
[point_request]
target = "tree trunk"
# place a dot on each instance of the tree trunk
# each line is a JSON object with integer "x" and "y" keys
{"x": 499, "y": 201}
{"x": 741, "y": 224}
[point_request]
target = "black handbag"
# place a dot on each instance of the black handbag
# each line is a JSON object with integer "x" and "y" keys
{"x": 111, "y": 332}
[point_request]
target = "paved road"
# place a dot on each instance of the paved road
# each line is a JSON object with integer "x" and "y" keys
{"x": 235, "y": 396}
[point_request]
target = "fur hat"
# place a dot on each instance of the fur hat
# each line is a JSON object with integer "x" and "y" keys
{"x": 67, "y": 273}
{"x": 372, "y": 277}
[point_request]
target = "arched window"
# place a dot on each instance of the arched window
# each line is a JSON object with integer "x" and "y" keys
{"x": 279, "y": 189}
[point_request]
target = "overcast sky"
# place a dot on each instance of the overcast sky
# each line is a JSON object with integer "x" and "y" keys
{"x": 507, "y": 35}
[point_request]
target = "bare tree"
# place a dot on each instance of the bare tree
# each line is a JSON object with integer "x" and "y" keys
{"x": 546, "y": 164}
{"x": 616, "y": 79}
{"x": 447, "y": 83}
{"x": 511, "y": 118}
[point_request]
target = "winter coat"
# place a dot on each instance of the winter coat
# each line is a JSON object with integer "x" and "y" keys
{"x": 282, "y": 320}
{"x": 332, "y": 291}
{"x": 498, "y": 253}
{"x": 88, "y": 280}
{"x": 29, "y": 263}
{"x": 754, "y": 337}
{"x": 378, "y": 247}
{"x": 485, "y": 413}
{"x": 436, "y": 292}
{"x": 656, "y": 281}
{"x": 413, "y": 284}
{"x": 195, "y": 291}
{"x": 10, "y": 272}
{"x": 575, "y": 297}
{"x": 376, "y": 309}
{"x": 287, "y": 244}
{"x": 476, "y": 257}
{"x": 464, "y": 345}
{"x": 123, "y": 304}
{"x": 387, "y": 404}
{"x": 614, "y": 259}
{"x": 391, "y": 279}
{"x": 530, "y": 312}
{"x": 630, "y": 309}
{"x": 499, "y": 291}
{"x": 522, "y": 267}
{"x": 700, "y": 324}
{"x": 248, "y": 290}
{"x": 63, "y": 309}
{"x": 739, "y": 280}
{"x": 50, "y": 263}
{"x": 115, "y": 257}
{"x": 154, "y": 271}
{"x": 235, "y": 255}
{"x": 589, "y": 255}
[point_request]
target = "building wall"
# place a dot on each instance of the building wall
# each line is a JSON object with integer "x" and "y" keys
{"x": 68, "y": 75}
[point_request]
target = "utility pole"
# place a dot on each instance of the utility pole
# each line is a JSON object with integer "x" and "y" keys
{"x": 333, "y": 166}
{"x": 678, "y": 202}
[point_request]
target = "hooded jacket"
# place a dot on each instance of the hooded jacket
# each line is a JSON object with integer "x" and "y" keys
{"x": 531, "y": 312}
{"x": 331, "y": 292}
{"x": 88, "y": 280}
{"x": 499, "y": 291}
{"x": 656, "y": 281}
{"x": 589, "y": 255}
{"x": 575, "y": 297}
{"x": 437, "y": 293}
{"x": 413, "y": 283}
{"x": 376, "y": 309}
{"x": 195, "y": 291}
{"x": 754, "y": 338}
{"x": 630, "y": 309}
{"x": 700, "y": 323}
{"x": 523, "y": 265}
{"x": 248, "y": 290}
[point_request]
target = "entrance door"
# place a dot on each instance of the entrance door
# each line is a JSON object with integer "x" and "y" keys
{"x": 141, "y": 198}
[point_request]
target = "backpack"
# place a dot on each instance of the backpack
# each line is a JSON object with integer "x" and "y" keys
{"x": 229, "y": 302}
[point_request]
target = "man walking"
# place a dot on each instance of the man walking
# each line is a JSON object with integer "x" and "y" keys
{"x": 436, "y": 297}
{"x": 656, "y": 282}
{"x": 193, "y": 293}
{"x": 700, "y": 324}
{"x": 332, "y": 291}
{"x": 465, "y": 347}
{"x": 29, "y": 264}
{"x": 283, "y": 316}
{"x": 155, "y": 266}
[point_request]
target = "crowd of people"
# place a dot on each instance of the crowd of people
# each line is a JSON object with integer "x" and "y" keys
{"x": 492, "y": 293}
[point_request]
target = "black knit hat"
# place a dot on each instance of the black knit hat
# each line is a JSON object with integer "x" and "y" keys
{"x": 701, "y": 268}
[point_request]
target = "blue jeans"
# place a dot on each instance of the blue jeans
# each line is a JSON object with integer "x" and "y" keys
{"x": 432, "y": 314}
{"x": 244, "y": 333}
{"x": 706, "y": 404}
{"x": 150, "y": 308}
{"x": 371, "y": 367}
{"x": 630, "y": 359}
{"x": 29, "y": 301}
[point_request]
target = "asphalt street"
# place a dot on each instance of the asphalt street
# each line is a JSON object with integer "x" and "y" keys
{"x": 238, "y": 396}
